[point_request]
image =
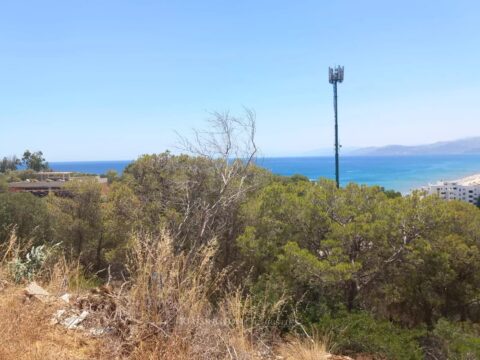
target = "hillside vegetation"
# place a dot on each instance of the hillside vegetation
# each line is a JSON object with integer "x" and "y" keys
{"x": 214, "y": 258}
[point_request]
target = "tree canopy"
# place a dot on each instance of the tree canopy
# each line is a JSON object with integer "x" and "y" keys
{"x": 34, "y": 161}
{"x": 9, "y": 164}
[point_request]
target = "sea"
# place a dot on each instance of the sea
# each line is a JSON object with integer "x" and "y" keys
{"x": 400, "y": 173}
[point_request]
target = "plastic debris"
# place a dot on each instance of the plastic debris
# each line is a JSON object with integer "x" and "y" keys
{"x": 57, "y": 317}
{"x": 72, "y": 322}
{"x": 100, "y": 331}
{"x": 65, "y": 297}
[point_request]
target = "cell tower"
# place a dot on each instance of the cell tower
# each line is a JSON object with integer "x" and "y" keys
{"x": 335, "y": 76}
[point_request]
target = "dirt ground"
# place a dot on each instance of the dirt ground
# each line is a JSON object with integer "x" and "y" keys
{"x": 26, "y": 333}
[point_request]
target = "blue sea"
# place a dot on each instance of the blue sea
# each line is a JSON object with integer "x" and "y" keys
{"x": 401, "y": 173}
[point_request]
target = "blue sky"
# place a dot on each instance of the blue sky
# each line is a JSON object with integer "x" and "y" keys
{"x": 112, "y": 79}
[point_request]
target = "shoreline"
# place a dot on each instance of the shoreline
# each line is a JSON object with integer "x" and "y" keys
{"x": 403, "y": 174}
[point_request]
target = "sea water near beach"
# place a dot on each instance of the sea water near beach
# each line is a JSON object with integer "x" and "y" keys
{"x": 401, "y": 173}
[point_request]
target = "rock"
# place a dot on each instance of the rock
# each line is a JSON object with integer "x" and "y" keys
{"x": 36, "y": 291}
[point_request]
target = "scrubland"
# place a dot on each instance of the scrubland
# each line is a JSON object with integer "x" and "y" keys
{"x": 207, "y": 256}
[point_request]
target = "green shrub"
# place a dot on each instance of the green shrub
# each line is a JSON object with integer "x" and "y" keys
{"x": 30, "y": 215}
{"x": 461, "y": 339}
{"x": 359, "y": 332}
{"x": 81, "y": 280}
{"x": 3, "y": 183}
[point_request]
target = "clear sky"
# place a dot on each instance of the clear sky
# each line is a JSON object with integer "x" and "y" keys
{"x": 112, "y": 79}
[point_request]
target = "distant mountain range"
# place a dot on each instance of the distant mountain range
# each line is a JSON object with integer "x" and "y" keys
{"x": 455, "y": 147}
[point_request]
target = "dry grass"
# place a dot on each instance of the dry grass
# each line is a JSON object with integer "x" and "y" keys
{"x": 170, "y": 303}
{"x": 303, "y": 349}
{"x": 25, "y": 332}
{"x": 164, "y": 312}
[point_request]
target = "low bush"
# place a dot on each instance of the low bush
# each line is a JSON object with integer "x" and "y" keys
{"x": 461, "y": 340}
{"x": 359, "y": 332}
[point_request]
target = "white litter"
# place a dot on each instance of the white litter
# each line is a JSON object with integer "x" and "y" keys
{"x": 57, "y": 317}
{"x": 65, "y": 297}
{"x": 72, "y": 322}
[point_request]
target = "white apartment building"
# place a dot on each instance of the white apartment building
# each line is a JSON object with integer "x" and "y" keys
{"x": 467, "y": 190}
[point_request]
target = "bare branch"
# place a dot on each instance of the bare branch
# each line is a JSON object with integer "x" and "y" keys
{"x": 230, "y": 148}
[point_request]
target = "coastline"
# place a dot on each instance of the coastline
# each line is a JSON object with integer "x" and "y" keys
{"x": 469, "y": 180}
{"x": 403, "y": 174}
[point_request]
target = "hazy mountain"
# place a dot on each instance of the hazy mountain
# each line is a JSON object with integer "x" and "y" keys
{"x": 455, "y": 147}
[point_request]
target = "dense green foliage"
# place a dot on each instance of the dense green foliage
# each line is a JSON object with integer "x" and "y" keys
{"x": 359, "y": 332}
{"x": 377, "y": 272}
{"x": 78, "y": 220}
{"x": 460, "y": 340}
{"x": 30, "y": 216}
{"x": 408, "y": 259}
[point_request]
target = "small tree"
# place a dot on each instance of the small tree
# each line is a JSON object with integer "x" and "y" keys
{"x": 9, "y": 163}
{"x": 78, "y": 219}
{"x": 229, "y": 146}
{"x": 34, "y": 161}
{"x": 111, "y": 176}
{"x": 196, "y": 197}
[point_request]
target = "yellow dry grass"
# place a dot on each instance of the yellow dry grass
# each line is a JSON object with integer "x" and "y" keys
{"x": 166, "y": 312}
{"x": 303, "y": 349}
{"x": 26, "y": 333}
